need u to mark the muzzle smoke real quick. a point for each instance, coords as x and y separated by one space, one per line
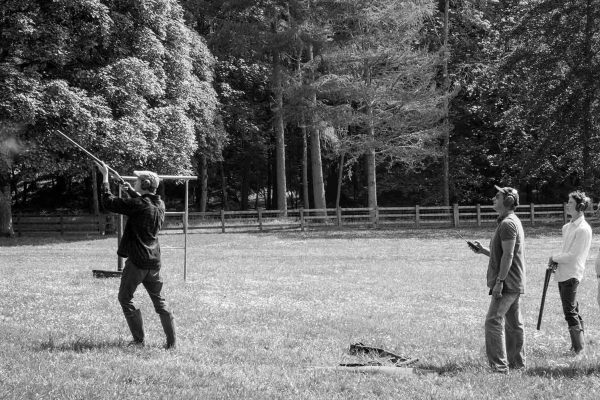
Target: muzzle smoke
10 146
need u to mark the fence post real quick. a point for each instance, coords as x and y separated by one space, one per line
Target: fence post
62 228
260 219
478 214
302 219
338 212
456 216
417 216
532 213
376 217
564 213
222 221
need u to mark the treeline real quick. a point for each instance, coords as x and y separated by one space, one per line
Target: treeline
306 103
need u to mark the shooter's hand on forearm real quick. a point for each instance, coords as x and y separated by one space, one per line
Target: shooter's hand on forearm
479 249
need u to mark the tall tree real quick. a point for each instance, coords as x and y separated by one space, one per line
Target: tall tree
388 82
259 33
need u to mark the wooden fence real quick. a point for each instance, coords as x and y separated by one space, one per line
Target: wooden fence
382 217
64 224
298 219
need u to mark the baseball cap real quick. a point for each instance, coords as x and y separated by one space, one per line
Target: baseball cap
150 176
509 191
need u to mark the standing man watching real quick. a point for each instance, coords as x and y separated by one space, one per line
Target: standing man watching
504 335
145 213
570 264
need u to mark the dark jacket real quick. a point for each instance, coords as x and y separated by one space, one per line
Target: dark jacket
145 217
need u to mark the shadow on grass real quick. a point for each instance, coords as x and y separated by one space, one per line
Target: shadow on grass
567 371
38 240
450 368
80 345
428 232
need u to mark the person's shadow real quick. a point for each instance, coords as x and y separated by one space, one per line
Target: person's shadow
80 345
563 371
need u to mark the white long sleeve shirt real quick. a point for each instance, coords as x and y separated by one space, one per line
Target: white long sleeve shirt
577 239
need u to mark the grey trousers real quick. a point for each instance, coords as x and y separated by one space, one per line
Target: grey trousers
504 335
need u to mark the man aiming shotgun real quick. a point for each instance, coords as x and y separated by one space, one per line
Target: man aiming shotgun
139 244
145 213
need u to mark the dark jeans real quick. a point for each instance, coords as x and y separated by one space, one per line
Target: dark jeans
131 279
568 297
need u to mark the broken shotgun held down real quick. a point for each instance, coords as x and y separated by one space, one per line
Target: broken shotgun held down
551 268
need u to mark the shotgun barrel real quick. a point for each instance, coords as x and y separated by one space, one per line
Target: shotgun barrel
93 157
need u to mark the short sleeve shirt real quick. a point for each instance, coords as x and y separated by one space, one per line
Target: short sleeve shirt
509 228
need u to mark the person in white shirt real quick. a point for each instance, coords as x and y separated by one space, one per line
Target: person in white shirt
570 264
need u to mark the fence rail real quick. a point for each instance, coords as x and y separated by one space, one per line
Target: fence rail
302 219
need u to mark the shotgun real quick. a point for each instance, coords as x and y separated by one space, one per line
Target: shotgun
551 268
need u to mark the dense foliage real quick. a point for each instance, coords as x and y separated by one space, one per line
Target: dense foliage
128 80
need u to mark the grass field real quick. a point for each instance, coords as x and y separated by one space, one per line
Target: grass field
261 313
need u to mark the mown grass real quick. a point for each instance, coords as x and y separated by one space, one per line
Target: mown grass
260 312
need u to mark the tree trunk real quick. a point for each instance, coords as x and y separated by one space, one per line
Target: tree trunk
279 139
245 189
315 149
269 190
203 167
6 226
317 170
446 124
258 184
355 182
305 200
23 194
371 178
371 168
95 202
339 182
225 199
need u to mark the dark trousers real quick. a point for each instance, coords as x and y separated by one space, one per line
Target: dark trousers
568 297
152 281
